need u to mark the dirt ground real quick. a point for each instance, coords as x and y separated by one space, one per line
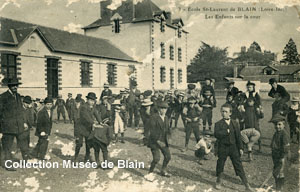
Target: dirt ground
187 174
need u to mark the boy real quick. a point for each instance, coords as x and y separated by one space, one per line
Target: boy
280 146
203 148
227 133
292 118
60 104
76 117
118 120
192 114
43 129
29 118
279 106
208 102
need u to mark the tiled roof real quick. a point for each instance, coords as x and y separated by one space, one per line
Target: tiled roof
258 70
144 10
287 69
59 40
252 70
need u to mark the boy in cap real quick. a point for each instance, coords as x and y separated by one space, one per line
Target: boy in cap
70 102
229 143
29 117
43 129
106 91
192 113
60 104
76 119
159 138
178 108
208 102
293 118
88 116
133 102
280 146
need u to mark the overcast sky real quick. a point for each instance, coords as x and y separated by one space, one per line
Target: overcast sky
272 31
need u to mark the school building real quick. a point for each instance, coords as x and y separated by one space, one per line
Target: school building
50 61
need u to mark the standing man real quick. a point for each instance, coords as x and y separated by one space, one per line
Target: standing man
229 143
133 105
12 120
60 104
87 116
159 138
106 92
278 89
70 102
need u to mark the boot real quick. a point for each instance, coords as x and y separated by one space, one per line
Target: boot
218 185
122 138
185 148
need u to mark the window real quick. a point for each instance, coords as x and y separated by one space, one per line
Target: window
179 32
117 25
171 78
179 76
85 73
171 52
9 65
111 74
179 54
162 26
162 50
162 74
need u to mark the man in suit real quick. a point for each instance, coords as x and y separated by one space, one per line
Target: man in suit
133 102
12 120
278 89
87 114
159 138
229 143
60 104
70 102
43 129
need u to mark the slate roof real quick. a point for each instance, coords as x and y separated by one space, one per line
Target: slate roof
286 69
59 41
252 70
145 10
258 70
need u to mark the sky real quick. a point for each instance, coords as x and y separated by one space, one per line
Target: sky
271 31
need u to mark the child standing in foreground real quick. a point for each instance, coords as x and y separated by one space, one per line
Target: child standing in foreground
280 146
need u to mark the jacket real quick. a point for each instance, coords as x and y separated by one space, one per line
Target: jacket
11 113
44 122
159 130
86 118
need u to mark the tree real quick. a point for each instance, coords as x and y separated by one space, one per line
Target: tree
209 62
255 46
290 53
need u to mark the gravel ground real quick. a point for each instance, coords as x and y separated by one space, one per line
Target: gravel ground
187 174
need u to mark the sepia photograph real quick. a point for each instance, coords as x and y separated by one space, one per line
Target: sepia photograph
149 95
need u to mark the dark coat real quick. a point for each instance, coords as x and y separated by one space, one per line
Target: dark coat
106 93
70 103
159 130
11 113
87 116
44 122
207 87
76 117
281 90
103 134
60 104
223 136
233 91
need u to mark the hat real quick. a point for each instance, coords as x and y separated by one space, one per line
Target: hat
181 94
48 100
162 104
295 99
27 99
126 90
116 102
272 80
207 78
11 81
191 100
79 95
37 99
91 95
191 86
122 91
69 94
250 83
77 99
106 85
277 117
147 93
147 102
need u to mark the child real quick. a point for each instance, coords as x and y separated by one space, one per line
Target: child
280 146
43 129
279 106
118 120
203 148
292 118
207 103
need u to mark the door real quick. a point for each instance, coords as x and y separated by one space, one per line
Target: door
52 77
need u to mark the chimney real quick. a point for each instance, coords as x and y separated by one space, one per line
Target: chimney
235 71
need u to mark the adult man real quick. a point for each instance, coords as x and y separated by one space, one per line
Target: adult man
70 102
159 138
106 91
227 133
60 104
278 89
87 115
133 105
12 120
